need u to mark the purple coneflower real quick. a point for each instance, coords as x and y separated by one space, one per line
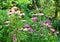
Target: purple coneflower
30 30
55 32
27 26
34 19
48 22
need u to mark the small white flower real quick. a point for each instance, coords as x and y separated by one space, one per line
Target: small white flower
41 14
23 13
23 20
46 38
10 13
49 26
57 32
20 14
7 25
17 12
21 29
44 23
41 34
34 14
49 33
14 38
25 29
14 8
7 22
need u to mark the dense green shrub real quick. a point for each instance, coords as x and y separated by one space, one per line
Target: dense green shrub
56 24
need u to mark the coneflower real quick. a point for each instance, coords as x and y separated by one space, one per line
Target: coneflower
21 14
10 12
52 29
49 33
55 32
16 9
30 30
7 22
49 26
25 29
41 34
20 28
17 12
14 38
34 19
27 26
7 25
34 14
41 14
48 22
